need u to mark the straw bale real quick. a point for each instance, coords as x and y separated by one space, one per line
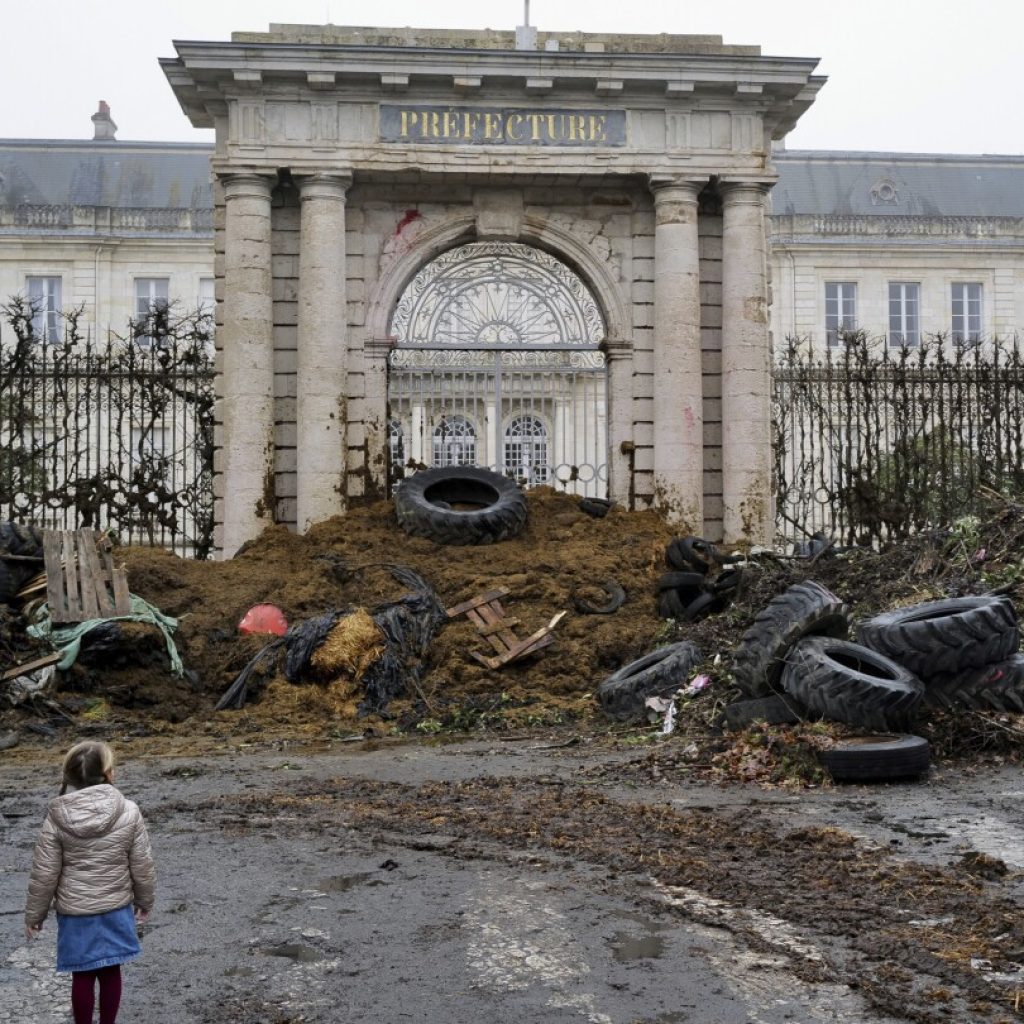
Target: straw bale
354 644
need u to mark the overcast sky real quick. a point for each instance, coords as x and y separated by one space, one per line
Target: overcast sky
907 75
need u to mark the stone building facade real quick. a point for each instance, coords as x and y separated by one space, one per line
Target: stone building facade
901 245
105 225
631 171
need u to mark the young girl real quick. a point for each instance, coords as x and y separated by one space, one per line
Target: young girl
93 862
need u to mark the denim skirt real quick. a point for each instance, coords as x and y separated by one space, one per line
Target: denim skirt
91 941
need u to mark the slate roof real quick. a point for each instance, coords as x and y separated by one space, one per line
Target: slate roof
821 182
131 175
176 175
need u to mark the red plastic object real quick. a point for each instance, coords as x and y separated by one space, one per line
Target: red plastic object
264 618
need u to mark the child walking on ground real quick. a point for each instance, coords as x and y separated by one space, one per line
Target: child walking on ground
94 863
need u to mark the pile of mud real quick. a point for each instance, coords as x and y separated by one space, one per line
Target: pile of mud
343 563
562 552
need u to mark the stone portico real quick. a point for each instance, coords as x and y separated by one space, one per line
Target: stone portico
348 160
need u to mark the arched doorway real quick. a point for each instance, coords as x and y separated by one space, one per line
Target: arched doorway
497 364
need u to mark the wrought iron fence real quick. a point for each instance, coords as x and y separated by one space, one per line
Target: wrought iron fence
870 443
875 442
111 434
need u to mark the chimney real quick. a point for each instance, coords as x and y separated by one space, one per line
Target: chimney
104 127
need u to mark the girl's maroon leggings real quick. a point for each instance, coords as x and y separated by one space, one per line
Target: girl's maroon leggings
83 992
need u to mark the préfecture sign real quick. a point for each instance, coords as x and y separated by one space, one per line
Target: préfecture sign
500 126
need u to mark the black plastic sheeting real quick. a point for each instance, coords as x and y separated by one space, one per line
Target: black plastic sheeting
409 624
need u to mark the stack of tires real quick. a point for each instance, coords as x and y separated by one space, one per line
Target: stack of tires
965 650
796 662
25 543
691 590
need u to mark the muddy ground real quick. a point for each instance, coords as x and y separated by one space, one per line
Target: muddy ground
488 843
530 881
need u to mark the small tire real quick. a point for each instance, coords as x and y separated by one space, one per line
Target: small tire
616 599
773 710
729 581
942 637
804 609
877 758
846 682
18 539
702 606
670 605
664 670
424 505
690 553
995 687
680 581
598 508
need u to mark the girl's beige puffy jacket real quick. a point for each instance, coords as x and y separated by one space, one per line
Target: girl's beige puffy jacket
92 856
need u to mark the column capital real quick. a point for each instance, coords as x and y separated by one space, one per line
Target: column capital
324 185
750 192
669 188
247 184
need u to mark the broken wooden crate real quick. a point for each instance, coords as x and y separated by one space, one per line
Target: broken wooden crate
82 581
487 614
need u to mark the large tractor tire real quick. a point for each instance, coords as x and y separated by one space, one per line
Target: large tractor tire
460 505
942 637
663 671
846 682
805 609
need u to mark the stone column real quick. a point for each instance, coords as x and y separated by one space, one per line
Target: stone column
322 370
746 367
375 362
619 356
678 390
247 378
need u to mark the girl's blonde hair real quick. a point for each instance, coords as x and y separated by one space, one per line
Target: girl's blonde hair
86 764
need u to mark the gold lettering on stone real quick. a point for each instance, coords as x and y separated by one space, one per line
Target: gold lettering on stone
492 126
476 126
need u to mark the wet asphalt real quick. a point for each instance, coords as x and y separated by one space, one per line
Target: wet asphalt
283 923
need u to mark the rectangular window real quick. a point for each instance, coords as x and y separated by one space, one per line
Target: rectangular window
904 313
840 309
151 299
45 299
208 308
150 443
966 313
207 302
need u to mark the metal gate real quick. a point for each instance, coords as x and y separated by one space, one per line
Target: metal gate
497 364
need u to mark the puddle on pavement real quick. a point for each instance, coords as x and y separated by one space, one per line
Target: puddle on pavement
989 835
342 883
292 951
640 943
626 947
911 833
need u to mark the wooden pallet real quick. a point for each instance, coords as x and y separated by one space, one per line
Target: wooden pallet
486 613
82 581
